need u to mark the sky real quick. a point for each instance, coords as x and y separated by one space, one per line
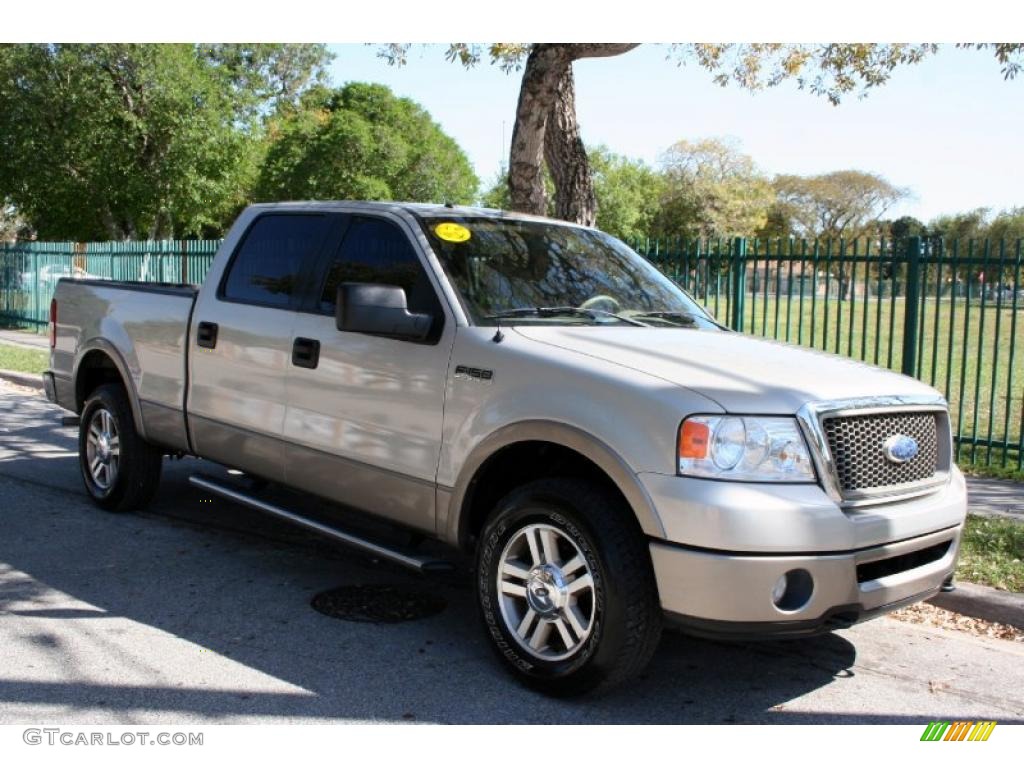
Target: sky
950 129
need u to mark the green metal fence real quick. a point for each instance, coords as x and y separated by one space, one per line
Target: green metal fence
29 271
944 312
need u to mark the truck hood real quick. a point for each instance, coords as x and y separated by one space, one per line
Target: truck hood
741 373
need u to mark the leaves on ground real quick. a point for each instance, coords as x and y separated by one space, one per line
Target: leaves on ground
929 615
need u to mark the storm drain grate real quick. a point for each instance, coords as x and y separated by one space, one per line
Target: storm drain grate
378 603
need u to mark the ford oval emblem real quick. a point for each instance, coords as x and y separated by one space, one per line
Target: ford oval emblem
899 449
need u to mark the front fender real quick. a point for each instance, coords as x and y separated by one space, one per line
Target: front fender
451 505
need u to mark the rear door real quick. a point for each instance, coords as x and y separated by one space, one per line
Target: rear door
367 411
241 342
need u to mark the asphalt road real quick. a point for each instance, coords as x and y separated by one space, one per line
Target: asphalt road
198 611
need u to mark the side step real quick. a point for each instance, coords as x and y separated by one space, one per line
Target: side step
413 560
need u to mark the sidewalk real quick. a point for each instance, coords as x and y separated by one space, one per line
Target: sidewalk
990 497
26 339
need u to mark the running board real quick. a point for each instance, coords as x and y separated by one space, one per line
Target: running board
416 562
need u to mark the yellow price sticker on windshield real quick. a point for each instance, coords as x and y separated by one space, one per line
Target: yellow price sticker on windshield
452 232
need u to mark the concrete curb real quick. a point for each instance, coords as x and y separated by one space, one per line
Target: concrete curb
981 602
34 380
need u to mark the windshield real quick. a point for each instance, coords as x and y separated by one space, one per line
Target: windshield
516 272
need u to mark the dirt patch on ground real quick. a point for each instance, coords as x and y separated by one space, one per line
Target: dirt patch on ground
932 616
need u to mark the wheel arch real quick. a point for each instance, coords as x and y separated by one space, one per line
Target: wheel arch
100 363
505 449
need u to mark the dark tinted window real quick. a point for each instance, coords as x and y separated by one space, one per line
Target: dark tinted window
267 267
377 251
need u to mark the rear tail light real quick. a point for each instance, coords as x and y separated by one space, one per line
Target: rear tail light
53 323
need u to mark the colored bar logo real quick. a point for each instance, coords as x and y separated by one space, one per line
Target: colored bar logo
961 730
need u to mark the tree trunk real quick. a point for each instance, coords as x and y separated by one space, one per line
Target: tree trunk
547 67
109 224
544 69
566 157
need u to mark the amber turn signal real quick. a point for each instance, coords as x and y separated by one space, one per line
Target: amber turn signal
693 440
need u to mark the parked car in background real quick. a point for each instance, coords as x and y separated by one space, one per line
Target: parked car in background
50 274
533 393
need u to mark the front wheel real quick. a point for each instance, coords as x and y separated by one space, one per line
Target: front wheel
120 470
566 587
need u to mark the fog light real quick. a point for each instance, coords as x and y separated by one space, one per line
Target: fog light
780 588
793 590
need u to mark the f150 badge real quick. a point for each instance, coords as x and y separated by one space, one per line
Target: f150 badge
482 375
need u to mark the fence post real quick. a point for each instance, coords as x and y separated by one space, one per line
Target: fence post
739 281
184 261
910 306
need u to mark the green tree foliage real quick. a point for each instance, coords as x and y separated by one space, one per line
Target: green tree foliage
778 223
628 193
838 204
267 76
362 142
496 195
125 141
711 188
1008 226
906 226
1003 231
960 226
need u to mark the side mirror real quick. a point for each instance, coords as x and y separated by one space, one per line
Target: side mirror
378 310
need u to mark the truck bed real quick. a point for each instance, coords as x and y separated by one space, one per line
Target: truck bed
143 328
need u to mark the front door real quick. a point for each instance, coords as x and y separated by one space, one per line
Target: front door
367 410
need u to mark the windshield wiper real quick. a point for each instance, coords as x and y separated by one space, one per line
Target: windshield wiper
556 311
687 318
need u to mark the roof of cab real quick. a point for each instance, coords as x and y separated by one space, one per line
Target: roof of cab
418 209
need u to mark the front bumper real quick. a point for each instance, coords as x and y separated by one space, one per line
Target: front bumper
730 595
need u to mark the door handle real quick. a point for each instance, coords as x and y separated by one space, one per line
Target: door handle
206 335
305 353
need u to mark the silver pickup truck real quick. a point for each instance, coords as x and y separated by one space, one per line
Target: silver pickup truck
533 393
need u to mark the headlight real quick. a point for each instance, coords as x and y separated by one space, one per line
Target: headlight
753 448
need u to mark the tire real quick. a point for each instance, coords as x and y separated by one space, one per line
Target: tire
609 630
108 438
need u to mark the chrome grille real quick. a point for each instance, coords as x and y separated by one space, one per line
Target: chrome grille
858 454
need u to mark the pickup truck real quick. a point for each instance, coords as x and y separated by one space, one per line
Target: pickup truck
536 395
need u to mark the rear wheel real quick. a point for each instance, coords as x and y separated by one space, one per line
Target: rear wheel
120 470
566 588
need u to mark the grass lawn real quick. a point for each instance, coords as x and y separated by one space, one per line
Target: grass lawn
992 553
25 360
980 469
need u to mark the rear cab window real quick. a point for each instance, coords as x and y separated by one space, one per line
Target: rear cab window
268 267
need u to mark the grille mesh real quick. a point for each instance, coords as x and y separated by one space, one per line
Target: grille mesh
857 445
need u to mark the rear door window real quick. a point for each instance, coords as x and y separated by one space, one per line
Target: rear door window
268 267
